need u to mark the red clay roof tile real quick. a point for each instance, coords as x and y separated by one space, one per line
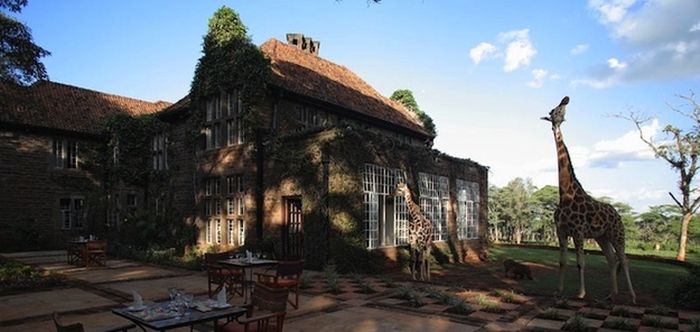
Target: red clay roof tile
59 106
309 75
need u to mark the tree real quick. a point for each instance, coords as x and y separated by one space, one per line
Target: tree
19 56
517 207
655 225
546 201
680 150
405 98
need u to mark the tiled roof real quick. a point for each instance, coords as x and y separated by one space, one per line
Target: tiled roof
309 75
59 106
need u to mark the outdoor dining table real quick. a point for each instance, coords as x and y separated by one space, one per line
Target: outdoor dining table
247 265
159 316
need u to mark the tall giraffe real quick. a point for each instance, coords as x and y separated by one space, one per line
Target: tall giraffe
420 235
582 217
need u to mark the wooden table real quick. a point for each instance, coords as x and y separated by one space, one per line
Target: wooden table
247 265
167 321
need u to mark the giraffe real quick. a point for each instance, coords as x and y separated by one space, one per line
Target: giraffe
582 217
420 235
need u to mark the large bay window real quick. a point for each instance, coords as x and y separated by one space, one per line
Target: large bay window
435 202
386 215
467 210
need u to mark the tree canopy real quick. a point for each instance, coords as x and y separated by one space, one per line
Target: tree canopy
230 61
405 98
19 56
680 150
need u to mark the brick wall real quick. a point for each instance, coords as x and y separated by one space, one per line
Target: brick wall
31 189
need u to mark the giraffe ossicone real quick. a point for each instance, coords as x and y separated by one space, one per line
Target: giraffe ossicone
581 217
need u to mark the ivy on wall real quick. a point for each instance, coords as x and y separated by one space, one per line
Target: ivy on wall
297 158
230 61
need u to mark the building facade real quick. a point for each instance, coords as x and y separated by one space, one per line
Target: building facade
317 181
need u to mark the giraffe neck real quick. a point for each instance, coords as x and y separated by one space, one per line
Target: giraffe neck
569 186
413 209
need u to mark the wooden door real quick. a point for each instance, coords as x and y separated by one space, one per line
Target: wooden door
293 230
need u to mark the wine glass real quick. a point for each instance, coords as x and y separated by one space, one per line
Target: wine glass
187 298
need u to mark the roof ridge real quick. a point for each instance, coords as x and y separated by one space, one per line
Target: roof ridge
101 93
275 43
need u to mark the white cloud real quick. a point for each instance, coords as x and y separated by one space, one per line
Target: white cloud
519 51
695 27
611 11
481 52
538 77
613 152
662 36
616 64
579 49
628 147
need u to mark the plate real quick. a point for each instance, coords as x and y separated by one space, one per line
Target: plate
220 306
136 308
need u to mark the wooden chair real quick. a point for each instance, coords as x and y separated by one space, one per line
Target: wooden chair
220 275
286 275
75 253
78 327
96 252
265 313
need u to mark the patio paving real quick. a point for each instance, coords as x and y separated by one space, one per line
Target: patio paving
357 303
363 319
24 305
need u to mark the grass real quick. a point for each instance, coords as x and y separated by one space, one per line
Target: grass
552 314
620 324
652 280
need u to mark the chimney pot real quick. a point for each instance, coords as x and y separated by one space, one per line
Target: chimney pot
306 44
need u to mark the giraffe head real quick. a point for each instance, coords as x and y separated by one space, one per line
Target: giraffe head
556 116
401 189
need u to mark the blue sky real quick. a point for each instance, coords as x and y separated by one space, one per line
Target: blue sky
484 70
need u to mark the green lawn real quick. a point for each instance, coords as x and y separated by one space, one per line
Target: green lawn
653 281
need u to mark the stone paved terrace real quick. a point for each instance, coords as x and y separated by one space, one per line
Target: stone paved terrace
351 303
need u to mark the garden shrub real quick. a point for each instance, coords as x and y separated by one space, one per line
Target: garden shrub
16 276
686 293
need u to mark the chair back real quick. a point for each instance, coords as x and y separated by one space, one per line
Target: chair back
60 327
96 245
272 299
290 269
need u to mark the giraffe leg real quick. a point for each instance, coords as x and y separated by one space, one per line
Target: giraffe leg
620 250
414 262
563 244
607 249
581 263
427 263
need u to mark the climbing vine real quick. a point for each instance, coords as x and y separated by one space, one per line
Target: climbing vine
230 62
128 156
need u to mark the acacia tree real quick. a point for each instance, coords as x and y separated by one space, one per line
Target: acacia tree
19 56
405 98
680 150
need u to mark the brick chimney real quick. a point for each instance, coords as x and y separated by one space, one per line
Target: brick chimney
306 44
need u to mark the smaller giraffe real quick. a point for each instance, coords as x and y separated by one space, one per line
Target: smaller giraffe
420 235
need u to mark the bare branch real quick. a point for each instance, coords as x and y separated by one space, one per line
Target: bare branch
674 199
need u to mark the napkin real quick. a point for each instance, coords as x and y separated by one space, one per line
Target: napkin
221 297
138 300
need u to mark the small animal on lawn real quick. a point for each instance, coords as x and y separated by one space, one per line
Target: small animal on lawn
519 270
